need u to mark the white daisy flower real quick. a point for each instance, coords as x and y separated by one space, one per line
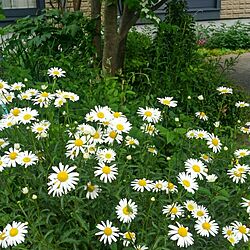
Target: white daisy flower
236 175
241 231
63 180
27 159
11 157
160 185
106 173
108 232
149 128
58 102
245 130
15 233
199 212
214 143
227 231
141 247
141 184
4 87
101 114
27 115
180 234
224 90
92 190
152 149
191 134
4 142
106 155
128 237
171 188
188 182
206 227
201 134
168 101
131 142
150 114
17 86
233 239
190 205
196 168
120 125
78 144
110 136
246 204
126 210
3 163
97 136
201 116
43 99
207 158
241 153
211 178
56 72
241 104
3 241
174 210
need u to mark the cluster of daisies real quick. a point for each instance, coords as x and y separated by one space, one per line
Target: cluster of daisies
15 156
13 234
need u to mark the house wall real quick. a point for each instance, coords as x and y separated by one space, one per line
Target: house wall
235 9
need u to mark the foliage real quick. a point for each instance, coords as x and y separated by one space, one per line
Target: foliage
229 37
53 37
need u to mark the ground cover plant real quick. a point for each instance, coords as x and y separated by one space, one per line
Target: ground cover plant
156 157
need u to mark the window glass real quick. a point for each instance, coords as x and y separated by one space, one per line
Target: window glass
18 4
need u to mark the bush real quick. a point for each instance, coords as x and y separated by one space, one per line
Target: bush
229 37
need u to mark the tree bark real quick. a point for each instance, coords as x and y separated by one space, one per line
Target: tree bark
110 38
77 4
96 16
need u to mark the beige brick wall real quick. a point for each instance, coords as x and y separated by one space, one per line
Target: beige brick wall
235 9
85 5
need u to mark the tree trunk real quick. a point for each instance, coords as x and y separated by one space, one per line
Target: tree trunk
77 4
110 47
121 49
96 16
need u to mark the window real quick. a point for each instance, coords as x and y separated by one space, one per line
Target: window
14 9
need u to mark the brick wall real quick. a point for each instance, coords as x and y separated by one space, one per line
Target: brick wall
235 9
85 5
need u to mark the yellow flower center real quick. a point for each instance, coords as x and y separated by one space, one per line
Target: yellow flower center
158 185
1 142
44 94
108 155
166 102
242 229
127 210
106 169
215 142
112 134
107 231
129 235
243 153
231 240
150 128
40 129
131 142
142 183
186 183
25 97
13 232
62 176
27 117
120 127
100 115
174 210
190 207
148 113
116 114
96 135
237 173
78 142
206 226
229 232
205 157
1 85
15 112
90 188
196 168
13 155
200 213
2 236
26 159
182 231
170 185
202 114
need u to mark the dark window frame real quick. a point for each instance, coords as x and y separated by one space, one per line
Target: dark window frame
12 14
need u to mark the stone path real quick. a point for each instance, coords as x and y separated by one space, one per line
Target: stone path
241 71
